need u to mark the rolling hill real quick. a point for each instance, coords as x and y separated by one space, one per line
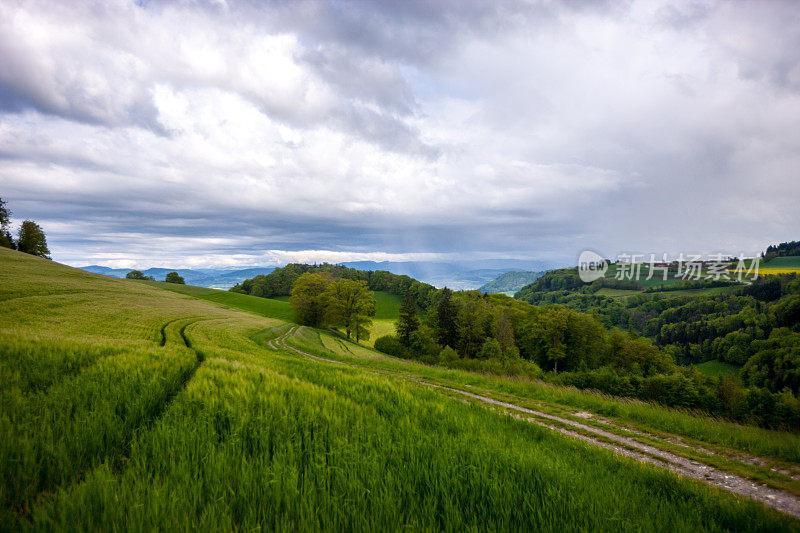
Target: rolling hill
134 405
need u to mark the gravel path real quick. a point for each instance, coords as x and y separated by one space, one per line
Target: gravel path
777 499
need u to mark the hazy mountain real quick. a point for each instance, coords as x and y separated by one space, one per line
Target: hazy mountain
217 278
456 274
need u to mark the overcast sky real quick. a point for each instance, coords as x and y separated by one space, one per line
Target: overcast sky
210 133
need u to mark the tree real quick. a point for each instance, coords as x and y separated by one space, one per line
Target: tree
138 274
407 322
32 240
6 240
447 355
446 313
491 349
350 305
173 277
309 298
5 214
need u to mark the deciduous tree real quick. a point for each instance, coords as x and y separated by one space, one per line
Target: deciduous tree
350 304
32 240
138 274
173 277
309 299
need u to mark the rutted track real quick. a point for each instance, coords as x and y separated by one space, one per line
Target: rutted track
159 411
781 500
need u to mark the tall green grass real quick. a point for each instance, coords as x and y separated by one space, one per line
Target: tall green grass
262 440
128 407
767 443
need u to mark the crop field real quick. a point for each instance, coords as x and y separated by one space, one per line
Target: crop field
127 406
777 265
624 293
790 262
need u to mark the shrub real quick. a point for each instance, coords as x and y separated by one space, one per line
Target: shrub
448 354
390 344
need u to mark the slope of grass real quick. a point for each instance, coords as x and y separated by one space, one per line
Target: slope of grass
269 307
792 262
130 407
387 306
379 329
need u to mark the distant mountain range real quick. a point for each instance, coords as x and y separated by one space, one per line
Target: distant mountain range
457 275
511 281
215 278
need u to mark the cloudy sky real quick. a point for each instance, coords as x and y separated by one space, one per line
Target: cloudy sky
211 133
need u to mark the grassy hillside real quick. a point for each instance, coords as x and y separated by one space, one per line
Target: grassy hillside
127 406
387 306
781 265
270 307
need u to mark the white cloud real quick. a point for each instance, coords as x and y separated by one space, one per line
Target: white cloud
220 131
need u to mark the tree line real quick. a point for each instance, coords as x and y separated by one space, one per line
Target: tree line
575 338
279 282
783 249
171 277
30 238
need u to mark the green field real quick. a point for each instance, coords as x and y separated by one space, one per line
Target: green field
718 368
387 306
781 265
617 293
624 293
271 307
783 262
127 406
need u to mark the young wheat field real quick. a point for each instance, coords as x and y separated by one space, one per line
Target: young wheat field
127 406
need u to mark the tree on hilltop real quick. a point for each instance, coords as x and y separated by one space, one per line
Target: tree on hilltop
32 240
138 274
173 277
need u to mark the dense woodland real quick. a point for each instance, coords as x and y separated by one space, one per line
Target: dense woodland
560 330
783 249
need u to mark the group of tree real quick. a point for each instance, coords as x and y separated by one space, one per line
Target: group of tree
172 277
783 249
138 274
31 238
479 327
280 281
640 346
320 300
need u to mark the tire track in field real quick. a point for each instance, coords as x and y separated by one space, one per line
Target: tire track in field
783 501
118 456
163 341
155 414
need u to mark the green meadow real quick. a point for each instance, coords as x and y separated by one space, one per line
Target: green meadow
128 405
